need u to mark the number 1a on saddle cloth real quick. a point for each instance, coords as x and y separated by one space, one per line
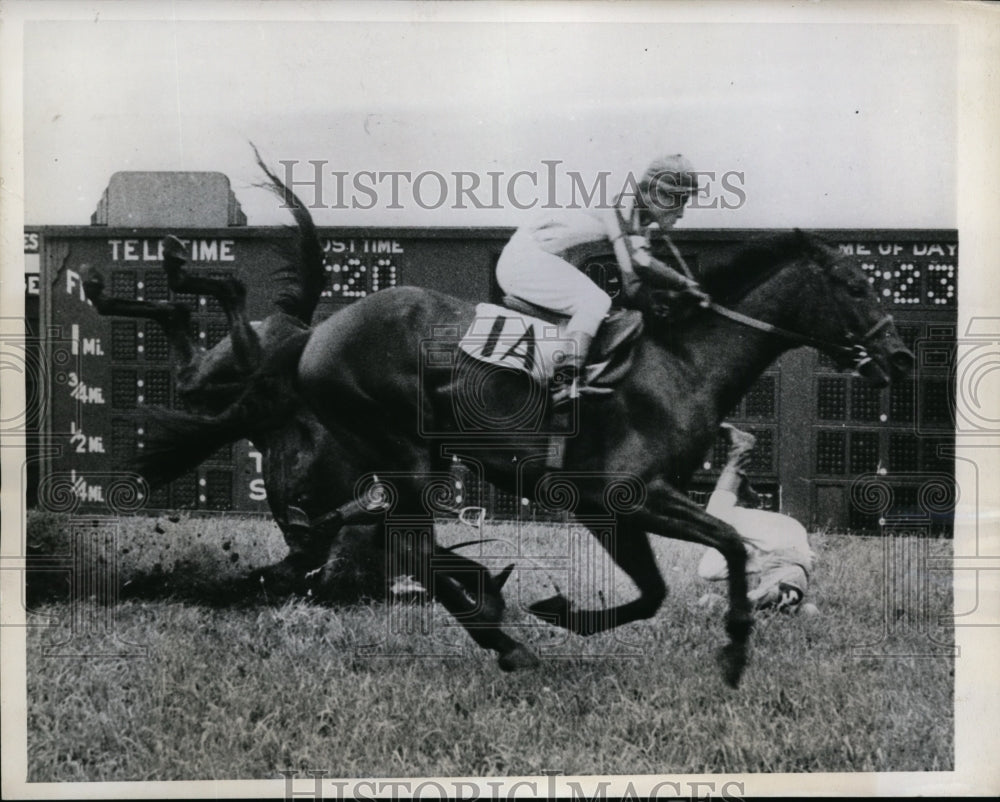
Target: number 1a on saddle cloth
519 341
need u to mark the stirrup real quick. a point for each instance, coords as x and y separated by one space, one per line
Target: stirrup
565 392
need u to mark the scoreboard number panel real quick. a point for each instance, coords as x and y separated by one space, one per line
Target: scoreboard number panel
356 268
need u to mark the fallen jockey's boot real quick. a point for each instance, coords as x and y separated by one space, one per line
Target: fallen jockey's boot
746 496
740 445
733 477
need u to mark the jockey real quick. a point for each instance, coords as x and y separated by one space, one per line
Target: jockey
777 545
540 263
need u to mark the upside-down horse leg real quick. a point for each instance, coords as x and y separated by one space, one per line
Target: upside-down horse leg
669 513
173 318
464 587
229 292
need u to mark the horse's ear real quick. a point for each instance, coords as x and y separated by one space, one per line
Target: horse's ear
810 243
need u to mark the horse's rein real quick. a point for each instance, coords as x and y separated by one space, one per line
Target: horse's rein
856 349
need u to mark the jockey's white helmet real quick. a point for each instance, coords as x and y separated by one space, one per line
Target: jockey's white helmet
672 173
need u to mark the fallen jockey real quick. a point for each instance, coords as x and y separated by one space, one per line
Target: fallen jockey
777 545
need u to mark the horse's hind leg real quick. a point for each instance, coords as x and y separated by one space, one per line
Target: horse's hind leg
462 586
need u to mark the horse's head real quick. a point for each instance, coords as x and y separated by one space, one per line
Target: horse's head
846 317
803 290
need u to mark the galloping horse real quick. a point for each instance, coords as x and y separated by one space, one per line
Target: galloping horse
368 376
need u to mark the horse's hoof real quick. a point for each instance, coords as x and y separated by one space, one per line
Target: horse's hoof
174 249
732 660
93 282
517 659
554 609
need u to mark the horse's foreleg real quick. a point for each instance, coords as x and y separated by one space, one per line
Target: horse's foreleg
672 513
229 292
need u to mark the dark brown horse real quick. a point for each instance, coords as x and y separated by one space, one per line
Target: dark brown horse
393 388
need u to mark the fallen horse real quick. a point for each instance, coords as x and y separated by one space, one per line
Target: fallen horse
255 366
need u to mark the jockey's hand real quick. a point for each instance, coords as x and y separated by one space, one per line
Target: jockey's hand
692 291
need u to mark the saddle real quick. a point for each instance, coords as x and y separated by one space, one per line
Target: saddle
612 352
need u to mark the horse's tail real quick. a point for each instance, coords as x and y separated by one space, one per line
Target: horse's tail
301 279
180 441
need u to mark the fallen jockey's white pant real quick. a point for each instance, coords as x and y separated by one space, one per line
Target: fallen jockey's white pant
777 547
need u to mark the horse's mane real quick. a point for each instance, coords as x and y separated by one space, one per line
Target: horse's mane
731 277
299 281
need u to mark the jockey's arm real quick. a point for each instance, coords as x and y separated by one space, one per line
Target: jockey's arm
658 274
639 266
712 566
654 273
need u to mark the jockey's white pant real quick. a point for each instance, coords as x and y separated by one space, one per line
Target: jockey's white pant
777 546
527 271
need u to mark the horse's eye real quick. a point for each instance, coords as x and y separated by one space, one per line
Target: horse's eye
857 289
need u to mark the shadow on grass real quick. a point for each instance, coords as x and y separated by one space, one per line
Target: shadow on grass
189 581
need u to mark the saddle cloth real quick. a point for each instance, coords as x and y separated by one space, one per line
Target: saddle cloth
523 339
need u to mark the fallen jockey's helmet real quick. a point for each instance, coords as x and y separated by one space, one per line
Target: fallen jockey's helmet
783 583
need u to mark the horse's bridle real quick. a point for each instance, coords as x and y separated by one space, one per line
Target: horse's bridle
855 352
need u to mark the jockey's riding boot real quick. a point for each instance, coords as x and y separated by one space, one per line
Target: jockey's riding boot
571 373
566 382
